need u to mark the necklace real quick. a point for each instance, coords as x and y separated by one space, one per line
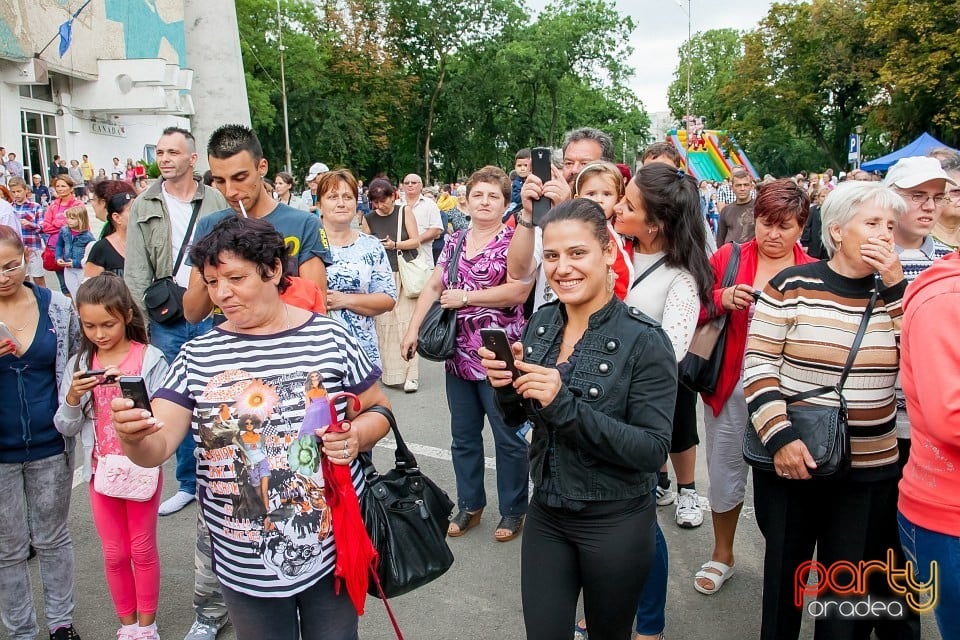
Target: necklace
481 241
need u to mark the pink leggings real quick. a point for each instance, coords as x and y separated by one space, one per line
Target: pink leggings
131 560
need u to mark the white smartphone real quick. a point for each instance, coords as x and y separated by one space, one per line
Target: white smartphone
6 334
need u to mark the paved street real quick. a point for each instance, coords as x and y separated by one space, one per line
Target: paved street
479 598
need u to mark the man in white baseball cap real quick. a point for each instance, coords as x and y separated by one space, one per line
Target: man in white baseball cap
922 184
309 196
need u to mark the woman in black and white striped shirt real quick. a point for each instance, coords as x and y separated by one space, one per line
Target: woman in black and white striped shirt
261 431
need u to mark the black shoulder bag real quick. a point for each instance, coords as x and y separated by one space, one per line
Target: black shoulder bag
406 515
163 299
437 339
700 368
822 429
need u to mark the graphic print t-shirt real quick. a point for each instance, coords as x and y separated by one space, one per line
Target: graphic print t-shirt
256 401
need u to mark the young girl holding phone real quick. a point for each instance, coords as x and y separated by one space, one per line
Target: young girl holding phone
115 340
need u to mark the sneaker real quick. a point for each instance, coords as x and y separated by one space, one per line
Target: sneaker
689 513
204 629
411 386
176 502
65 633
128 632
148 633
665 496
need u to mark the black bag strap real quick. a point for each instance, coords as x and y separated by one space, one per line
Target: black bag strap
733 265
405 459
656 265
861 330
453 277
186 239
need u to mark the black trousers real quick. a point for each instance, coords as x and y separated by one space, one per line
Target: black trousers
842 520
605 550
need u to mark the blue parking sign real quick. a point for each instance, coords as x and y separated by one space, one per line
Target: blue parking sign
853 148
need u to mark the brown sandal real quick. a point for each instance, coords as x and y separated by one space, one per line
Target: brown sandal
512 524
463 522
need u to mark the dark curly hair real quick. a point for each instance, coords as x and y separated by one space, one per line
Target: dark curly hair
249 239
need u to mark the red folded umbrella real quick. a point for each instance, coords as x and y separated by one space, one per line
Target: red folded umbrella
355 552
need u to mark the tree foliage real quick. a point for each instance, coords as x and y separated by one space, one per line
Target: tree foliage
399 86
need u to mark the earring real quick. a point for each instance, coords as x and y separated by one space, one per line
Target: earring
649 231
611 279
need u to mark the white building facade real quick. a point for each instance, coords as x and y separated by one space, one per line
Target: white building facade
124 78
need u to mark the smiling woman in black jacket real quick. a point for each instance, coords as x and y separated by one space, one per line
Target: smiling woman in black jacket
597 380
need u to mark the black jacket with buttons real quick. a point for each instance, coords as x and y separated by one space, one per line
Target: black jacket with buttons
608 430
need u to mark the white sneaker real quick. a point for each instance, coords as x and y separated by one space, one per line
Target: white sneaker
176 502
689 513
411 386
127 632
665 496
204 629
148 633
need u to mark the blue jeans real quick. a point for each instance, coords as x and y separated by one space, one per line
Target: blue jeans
651 608
35 501
169 338
922 546
469 401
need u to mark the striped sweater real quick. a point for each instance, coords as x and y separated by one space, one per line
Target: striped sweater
800 338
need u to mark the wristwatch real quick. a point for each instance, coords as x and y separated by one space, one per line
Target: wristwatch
524 223
464 298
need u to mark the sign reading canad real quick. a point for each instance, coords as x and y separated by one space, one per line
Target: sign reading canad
107 129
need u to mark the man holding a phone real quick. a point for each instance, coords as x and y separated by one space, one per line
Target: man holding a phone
580 148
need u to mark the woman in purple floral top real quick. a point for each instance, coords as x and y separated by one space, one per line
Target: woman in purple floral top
486 297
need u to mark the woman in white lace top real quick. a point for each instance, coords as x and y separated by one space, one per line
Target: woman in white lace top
672 278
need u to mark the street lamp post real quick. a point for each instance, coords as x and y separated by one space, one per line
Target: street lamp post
283 91
859 130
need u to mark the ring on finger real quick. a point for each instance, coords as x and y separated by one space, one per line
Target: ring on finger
346 454
345 445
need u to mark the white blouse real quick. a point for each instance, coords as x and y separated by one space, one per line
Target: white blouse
669 296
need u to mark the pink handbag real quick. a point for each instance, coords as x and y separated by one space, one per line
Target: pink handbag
118 477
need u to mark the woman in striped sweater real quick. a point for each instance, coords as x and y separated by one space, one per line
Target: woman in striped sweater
799 339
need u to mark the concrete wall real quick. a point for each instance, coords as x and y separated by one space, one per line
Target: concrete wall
219 87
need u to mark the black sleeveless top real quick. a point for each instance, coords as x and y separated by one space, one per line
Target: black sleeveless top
386 227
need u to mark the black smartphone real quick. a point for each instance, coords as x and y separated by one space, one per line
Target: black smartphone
92 373
495 339
540 165
133 388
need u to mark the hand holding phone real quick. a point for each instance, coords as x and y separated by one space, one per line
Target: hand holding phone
540 165
495 339
133 388
7 335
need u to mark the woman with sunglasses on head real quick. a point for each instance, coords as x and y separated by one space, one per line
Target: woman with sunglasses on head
109 253
36 462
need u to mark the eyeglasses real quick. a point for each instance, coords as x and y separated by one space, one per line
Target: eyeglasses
953 195
12 271
921 198
411 182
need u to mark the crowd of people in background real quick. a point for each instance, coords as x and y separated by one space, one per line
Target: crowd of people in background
285 304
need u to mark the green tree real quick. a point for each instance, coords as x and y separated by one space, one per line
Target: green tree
920 68
710 58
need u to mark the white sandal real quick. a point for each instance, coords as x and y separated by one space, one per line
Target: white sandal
726 572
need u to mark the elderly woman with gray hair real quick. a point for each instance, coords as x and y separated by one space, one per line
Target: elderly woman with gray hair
799 340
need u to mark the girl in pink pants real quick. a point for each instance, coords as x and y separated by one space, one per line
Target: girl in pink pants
114 343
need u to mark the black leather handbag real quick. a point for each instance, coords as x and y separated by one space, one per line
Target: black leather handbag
437 339
163 298
822 429
700 368
406 515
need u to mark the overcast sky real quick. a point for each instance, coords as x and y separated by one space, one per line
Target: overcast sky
661 27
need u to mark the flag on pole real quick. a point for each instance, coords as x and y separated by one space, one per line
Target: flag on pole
66 29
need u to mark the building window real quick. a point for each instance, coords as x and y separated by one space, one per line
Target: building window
39 131
37 92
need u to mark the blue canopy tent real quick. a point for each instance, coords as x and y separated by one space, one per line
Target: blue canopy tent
919 147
